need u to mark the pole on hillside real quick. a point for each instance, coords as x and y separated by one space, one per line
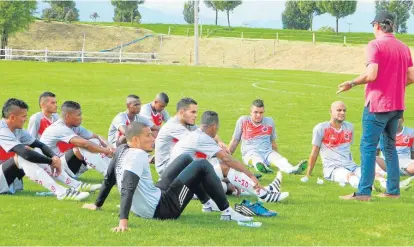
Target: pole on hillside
83 47
196 32
313 38
169 30
46 54
120 53
344 40
277 37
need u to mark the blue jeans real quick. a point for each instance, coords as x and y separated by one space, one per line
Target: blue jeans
373 125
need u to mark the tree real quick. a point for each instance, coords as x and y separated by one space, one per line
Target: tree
338 8
48 14
293 18
188 12
94 16
310 8
230 6
59 10
14 16
400 9
215 5
71 15
126 11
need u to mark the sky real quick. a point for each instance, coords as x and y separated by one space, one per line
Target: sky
252 13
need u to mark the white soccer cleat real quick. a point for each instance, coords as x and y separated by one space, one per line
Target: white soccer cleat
73 195
274 197
230 214
210 207
85 187
406 184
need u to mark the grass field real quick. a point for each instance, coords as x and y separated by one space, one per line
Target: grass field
211 31
312 215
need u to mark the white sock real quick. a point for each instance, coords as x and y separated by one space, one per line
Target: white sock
208 203
97 161
63 177
39 175
224 186
354 181
227 211
242 181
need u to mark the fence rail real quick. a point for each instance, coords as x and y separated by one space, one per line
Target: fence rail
76 56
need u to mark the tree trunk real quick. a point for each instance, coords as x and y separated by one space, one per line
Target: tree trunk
216 16
311 21
4 40
132 16
337 20
228 18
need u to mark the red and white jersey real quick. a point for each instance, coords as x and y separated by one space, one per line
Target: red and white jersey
57 136
156 117
335 145
255 138
404 143
121 119
9 139
39 122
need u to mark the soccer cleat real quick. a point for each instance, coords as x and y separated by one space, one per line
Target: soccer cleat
274 197
258 176
262 168
406 184
256 209
230 214
73 195
300 167
276 184
85 187
210 207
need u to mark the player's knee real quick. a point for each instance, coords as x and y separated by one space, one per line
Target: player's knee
77 153
185 158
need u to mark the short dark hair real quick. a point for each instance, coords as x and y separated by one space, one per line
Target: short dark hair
69 106
46 94
184 103
258 103
10 105
163 97
134 129
209 118
387 26
133 96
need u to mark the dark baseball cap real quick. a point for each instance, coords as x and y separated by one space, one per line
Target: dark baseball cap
382 17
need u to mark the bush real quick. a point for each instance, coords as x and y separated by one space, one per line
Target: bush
326 29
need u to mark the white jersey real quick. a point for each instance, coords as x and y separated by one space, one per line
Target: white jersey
9 139
197 144
57 136
169 134
335 145
255 138
404 143
155 117
121 119
146 196
39 122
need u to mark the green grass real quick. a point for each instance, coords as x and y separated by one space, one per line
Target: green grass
257 33
312 215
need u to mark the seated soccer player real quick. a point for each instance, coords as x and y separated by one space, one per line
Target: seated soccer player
405 150
41 120
177 127
75 144
200 144
258 136
130 170
116 132
333 140
18 159
155 111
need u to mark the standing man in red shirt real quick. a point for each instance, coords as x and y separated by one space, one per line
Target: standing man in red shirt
389 70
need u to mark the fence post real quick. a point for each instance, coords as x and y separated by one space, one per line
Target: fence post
274 47
277 37
120 54
344 40
313 38
11 53
169 30
46 54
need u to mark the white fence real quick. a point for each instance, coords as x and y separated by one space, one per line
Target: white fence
78 56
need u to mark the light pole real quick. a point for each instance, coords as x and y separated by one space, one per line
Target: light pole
196 32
